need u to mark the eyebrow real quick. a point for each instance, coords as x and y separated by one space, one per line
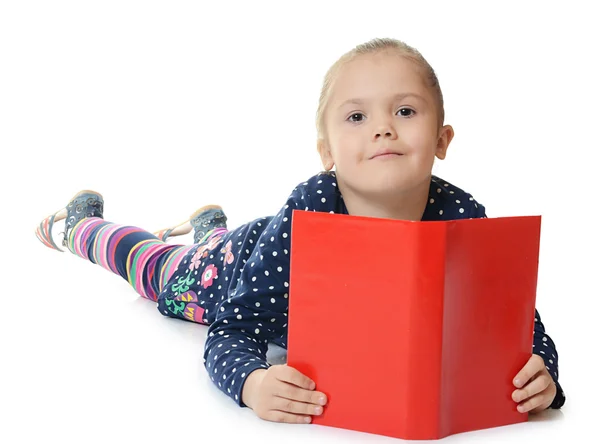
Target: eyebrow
395 98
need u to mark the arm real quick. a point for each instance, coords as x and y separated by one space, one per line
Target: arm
544 347
256 313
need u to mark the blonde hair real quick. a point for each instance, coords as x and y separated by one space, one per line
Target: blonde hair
371 47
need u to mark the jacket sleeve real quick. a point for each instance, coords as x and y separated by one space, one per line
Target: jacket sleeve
256 310
543 346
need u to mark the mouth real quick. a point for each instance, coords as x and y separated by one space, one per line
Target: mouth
386 154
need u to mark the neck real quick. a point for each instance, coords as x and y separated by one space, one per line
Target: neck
404 205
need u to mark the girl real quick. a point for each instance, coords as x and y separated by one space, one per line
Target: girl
380 123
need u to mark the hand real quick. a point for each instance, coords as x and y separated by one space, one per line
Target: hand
535 387
282 394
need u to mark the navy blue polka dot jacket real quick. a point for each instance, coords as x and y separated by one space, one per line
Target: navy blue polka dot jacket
254 282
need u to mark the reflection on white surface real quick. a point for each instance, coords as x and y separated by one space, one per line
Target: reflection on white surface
92 362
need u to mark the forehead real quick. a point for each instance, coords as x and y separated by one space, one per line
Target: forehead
378 75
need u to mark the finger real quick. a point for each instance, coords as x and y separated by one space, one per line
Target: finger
290 406
539 401
290 418
289 391
537 385
534 365
293 376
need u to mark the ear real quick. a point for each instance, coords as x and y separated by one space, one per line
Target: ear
325 153
444 138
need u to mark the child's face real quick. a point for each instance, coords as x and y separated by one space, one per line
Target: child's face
379 104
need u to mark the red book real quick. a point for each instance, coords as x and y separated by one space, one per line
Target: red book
414 330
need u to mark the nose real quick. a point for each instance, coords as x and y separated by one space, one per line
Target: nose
385 130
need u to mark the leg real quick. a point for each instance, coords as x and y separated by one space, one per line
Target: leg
134 254
183 297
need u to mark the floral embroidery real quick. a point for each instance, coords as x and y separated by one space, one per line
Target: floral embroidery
194 313
183 283
210 274
200 253
188 296
228 258
213 242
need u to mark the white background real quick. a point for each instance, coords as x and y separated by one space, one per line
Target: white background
167 106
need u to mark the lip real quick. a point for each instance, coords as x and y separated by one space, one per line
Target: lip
386 153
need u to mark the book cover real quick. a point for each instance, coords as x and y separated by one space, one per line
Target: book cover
414 330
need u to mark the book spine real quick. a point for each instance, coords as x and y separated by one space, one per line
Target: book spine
424 358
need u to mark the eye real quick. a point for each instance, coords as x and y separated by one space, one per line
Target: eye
405 112
356 117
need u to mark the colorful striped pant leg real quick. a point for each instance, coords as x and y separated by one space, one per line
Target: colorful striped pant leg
136 255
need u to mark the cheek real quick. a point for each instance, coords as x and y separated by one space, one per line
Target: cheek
345 149
420 143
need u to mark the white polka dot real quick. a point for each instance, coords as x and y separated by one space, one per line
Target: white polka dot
272 300
285 235
320 181
441 212
257 304
272 319
461 210
272 238
253 278
279 269
266 272
431 200
271 288
239 316
319 192
544 339
323 200
457 201
274 253
255 290
439 190
222 308
286 284
257 331
285 219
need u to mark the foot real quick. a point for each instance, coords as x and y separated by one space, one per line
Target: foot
85 203
201 221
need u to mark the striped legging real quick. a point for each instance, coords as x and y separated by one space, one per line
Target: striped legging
136 255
